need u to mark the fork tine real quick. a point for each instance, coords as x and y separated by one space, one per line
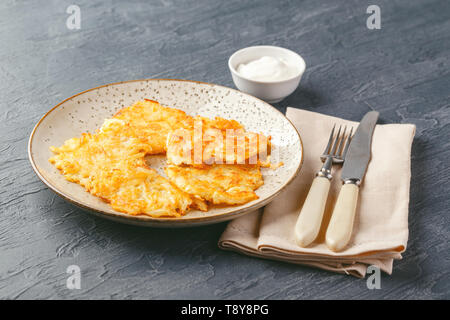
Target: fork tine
329 141
349 139
333 150
341 143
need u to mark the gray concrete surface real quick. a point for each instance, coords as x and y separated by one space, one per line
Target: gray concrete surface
401 70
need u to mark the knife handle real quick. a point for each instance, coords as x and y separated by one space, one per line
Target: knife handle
341 224
310 218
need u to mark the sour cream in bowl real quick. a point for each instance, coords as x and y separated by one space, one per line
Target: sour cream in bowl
267 72
267 68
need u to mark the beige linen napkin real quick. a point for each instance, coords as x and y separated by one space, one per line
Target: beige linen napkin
380 231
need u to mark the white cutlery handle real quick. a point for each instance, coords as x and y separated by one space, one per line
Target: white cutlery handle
341 224
310 218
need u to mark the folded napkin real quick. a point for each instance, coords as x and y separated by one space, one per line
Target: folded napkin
380 231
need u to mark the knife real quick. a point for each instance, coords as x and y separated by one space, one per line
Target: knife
340 227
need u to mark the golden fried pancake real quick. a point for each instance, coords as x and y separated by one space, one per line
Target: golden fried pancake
152 122
218 184
218 141
111 165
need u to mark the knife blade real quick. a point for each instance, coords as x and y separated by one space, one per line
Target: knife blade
358 154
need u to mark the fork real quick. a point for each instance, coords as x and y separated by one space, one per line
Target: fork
310 218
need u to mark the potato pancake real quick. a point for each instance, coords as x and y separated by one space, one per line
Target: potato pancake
152 122
218 184
111 165
216 141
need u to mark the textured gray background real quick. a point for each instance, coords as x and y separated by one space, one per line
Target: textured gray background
401 70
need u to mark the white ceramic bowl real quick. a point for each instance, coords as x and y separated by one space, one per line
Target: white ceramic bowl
270 91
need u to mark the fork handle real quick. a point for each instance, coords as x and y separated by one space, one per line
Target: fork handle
310 218
341 224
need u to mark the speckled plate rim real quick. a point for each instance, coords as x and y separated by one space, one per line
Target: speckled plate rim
143 220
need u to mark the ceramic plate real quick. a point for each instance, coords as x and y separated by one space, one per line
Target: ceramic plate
85 112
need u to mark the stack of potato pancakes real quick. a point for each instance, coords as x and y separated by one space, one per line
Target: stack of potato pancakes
209 161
